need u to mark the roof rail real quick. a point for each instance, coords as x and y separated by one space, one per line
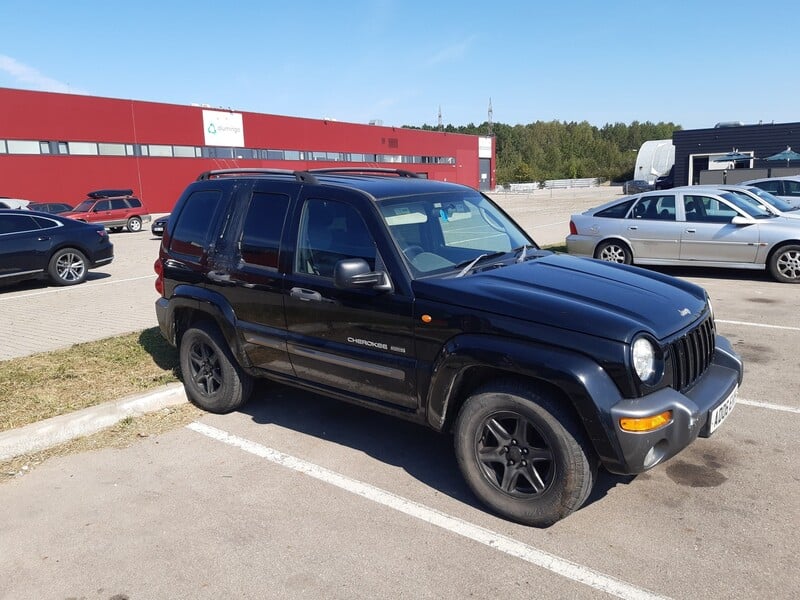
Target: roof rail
367 171
304 176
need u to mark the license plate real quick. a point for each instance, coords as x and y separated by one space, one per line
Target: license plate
719 414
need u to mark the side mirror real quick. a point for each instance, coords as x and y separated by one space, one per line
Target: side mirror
354 273
740 220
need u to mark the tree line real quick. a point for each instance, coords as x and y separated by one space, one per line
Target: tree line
560 150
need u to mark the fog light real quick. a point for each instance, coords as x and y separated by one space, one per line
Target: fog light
646 423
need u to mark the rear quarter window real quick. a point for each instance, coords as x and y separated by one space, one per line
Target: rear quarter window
194 224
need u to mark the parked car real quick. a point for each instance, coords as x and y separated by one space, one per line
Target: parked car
159 225
635 186
667 181
13 203
115 209
689 226
34 245
785 188
422 299
772 203
53 208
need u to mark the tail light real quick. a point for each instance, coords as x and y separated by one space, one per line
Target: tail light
158 267
102 233
572 229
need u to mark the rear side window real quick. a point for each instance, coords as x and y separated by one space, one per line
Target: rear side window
792 188
17 223
192 233
618 211
134 203
118 204
263 225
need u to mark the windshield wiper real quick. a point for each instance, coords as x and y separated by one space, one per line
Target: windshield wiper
523 250
475 261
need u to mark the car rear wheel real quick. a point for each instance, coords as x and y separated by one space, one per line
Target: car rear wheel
134 224
784 264
67 267
211 376
523 454
614 251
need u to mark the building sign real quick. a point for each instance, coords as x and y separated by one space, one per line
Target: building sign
484 147
223 128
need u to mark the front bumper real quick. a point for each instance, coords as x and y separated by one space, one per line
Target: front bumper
690 413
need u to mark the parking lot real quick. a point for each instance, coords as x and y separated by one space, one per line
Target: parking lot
298 496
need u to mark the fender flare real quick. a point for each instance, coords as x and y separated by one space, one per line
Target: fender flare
585 384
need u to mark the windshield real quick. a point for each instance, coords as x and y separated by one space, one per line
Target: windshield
748 205
438 232
84 206
781 205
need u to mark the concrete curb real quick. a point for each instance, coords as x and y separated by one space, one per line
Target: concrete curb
60 429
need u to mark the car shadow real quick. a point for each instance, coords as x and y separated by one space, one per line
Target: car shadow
423 453
164 354
43 283
714 273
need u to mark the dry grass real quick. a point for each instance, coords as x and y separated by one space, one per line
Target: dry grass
54 383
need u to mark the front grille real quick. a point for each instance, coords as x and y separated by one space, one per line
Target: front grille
691 354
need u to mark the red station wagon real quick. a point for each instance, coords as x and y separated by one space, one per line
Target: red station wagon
113 208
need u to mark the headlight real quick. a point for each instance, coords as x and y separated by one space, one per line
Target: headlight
644 359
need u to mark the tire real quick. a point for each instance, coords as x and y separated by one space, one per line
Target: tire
614 251
134 224
67 266
115 229
523 454
211 376
784 264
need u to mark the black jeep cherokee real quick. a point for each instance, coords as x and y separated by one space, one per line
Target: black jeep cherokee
424 300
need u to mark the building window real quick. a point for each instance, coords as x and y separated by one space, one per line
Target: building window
184 151
160 150
63 148
111 149
274 154
2 146
44 147
82 148
129 150
22 147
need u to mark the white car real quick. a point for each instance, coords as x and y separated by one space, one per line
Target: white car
13 203
786 188
772 203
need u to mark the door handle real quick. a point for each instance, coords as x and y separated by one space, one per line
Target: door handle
305 295
691 231
43 238
633 227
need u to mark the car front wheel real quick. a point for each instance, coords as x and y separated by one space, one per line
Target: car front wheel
134 224
784 264
67 267
523 454
614 251
211 376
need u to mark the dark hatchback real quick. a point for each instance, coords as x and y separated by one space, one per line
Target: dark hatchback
54 208
40 245
158 226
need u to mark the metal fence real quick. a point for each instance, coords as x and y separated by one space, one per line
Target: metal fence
552 184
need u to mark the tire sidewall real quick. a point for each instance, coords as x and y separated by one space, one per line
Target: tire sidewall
235 387
559 499
134 224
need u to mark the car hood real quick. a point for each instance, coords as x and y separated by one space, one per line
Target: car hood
595 297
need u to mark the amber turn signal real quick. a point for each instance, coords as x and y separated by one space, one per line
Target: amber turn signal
426 318
646 423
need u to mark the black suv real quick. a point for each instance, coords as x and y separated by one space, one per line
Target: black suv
424 300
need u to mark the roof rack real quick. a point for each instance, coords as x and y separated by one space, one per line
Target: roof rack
113 193
218 173
366 170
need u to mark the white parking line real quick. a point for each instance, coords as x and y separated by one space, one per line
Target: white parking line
748 324
510 546
769 406
76 287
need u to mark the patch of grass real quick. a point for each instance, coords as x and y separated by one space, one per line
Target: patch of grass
54 383
555 247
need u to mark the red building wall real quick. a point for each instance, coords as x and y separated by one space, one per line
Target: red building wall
44 116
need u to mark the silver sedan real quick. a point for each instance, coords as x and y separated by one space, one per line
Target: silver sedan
689 226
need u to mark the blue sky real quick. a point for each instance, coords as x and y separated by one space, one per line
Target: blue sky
693 63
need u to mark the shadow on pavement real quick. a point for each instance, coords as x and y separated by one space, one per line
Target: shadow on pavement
423 453
164 355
